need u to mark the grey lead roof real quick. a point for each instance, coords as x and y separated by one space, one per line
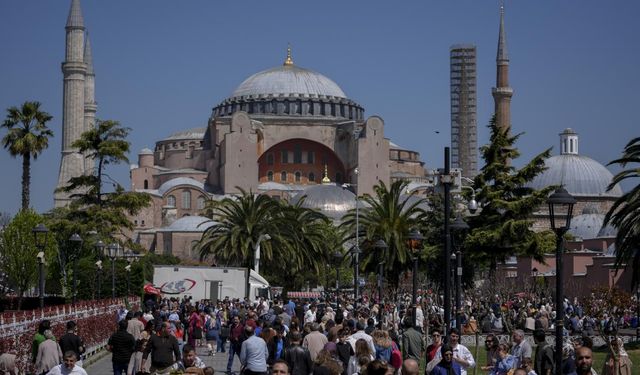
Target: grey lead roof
75 15
88 57
580 175
288 80
503 54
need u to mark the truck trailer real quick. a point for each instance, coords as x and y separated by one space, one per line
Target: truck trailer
212 283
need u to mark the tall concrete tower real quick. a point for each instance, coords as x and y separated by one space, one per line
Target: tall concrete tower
502 93
464 133
74 70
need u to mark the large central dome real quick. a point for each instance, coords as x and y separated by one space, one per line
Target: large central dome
290 91
288 80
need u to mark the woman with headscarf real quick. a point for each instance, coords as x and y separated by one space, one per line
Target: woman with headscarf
49 354
447 365
617 361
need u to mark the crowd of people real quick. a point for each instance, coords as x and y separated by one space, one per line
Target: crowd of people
315 337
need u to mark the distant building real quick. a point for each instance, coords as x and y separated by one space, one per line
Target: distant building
464 123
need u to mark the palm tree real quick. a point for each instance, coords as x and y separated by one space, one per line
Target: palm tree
389 215
106 143
27 136
240 222
624 215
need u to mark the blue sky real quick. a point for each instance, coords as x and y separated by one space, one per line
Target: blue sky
161 65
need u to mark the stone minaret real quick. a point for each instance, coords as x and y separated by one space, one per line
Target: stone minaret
90 105
502 93
74 71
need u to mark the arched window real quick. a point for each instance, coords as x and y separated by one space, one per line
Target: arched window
298 176
270 176
146 184
186 200
171 201
270 158
283 176
312 177
201 202
297 154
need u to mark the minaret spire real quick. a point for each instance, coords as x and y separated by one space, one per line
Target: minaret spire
503 55
74 71
90 106
75 15
502 93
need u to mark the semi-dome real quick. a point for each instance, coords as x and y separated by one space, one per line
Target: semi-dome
177 182
586 226
330 199
579 174
288 80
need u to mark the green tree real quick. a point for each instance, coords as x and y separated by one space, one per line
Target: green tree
503 226
18 252
388 215
27 137
624 215
93 209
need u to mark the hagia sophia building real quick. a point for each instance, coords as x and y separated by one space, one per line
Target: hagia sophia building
288 131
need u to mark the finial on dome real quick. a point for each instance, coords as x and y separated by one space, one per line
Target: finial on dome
325 179
289 60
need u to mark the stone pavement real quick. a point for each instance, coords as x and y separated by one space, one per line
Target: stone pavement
219 362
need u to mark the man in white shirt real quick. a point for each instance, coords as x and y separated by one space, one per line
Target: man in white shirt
521 348
361 334
68 366
310 315
461 354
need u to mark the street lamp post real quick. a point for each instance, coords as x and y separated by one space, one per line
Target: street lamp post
40 234
356 253
256 251
338 258
76 244
381 246
99 250
447 180
113 254
560 211
459 226
415 243
129 257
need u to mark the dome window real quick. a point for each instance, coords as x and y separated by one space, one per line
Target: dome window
270 176
298 176
310 157
186 200
312 177
171 201
285 156
270 158
283 176
201 202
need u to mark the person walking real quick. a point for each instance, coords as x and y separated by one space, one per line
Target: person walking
253 354
584 362
461 355
122 345
412 343
164 351
315 341
190 362
71 341
69 366
447 365
544 363
521 348
49 354
235 340
298 357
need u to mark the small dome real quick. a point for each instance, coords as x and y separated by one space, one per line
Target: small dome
288 80
332 200
179 181
145 151
586 226
190 224
580 175
608 231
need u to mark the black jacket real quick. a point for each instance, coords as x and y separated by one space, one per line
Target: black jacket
162 349
299 360
272 347
122 345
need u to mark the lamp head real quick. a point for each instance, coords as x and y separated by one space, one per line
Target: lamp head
40 233
75 239
473 205
380 245
560 209
459 224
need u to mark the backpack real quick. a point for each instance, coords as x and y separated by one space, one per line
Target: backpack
396 357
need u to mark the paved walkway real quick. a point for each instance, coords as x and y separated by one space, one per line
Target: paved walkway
218 362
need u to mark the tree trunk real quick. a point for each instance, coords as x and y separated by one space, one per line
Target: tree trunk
26 180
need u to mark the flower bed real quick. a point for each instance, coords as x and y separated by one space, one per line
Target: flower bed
96 322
